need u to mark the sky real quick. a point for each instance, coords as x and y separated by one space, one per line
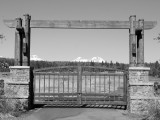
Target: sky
68 44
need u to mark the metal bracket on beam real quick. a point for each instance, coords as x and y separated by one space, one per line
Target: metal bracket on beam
19 24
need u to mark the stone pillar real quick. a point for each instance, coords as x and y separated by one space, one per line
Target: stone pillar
140 90
132 42
19 85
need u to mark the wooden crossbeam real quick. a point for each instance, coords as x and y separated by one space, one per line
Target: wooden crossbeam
84 24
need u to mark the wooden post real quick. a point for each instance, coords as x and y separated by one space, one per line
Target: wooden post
26 41
132 41
18 43
140 43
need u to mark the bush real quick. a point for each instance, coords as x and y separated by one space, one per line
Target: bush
153 110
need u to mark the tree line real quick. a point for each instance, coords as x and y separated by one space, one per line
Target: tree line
6 62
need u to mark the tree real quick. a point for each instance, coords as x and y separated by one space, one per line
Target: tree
111 64
157 38
92 63
2 36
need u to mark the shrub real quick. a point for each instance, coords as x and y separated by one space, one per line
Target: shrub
153 110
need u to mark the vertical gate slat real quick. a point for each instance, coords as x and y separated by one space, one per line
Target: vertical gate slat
72 86
48 87
85 84
44 84
118 85
73 83
68 83
104 87
119 81
79 84
95 84
63 83
114 87
109 87
39 84
54 84
58 83
99 84
90 83
49 83
34 86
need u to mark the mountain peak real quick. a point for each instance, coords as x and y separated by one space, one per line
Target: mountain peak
80 59
94 59
97 59
35 58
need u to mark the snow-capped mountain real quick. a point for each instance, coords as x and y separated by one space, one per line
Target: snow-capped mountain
80 59
94 59
35 58
97 59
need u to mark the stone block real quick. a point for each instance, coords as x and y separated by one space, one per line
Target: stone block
141 91
17 91
15 104
144 106
139 106
20 74
138 74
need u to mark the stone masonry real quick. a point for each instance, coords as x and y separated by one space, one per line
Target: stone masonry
19 85
140 90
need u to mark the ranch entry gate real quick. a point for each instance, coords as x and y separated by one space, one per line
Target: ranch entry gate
78 86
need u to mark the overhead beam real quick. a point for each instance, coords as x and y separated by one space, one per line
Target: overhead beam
84 24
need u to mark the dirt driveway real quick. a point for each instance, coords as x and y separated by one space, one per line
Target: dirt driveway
76 114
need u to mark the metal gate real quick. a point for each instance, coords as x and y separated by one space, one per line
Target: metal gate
80 85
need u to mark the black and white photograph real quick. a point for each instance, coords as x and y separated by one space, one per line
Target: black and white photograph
79 60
